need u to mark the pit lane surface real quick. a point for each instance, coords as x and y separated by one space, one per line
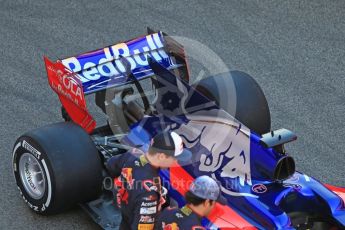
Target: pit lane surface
295 50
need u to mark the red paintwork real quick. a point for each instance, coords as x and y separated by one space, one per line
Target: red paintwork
338 190
222 216
70 93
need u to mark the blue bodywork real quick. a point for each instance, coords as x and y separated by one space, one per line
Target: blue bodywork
267 210
103 68
263 202
242 165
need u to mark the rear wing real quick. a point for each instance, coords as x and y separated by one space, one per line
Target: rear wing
103 68
74 77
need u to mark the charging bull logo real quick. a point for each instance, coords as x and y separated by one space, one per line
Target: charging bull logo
220 144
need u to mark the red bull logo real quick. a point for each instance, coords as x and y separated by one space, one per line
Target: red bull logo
105 62
127 176
172 226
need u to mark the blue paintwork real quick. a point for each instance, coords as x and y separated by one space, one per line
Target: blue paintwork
265 210
135 51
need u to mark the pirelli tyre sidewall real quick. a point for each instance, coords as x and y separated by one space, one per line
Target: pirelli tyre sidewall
37 205
71 166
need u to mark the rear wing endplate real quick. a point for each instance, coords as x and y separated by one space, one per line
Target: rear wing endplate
70 92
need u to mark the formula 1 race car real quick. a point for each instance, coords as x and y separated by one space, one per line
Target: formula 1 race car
223 119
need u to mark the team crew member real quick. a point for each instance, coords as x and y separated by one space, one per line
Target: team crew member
139 195
201 198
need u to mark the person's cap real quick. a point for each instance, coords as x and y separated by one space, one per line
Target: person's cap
206 187
171 144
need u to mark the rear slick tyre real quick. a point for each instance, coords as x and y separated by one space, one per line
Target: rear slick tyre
240 95
57 167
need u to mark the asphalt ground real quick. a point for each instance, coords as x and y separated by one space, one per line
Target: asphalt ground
294 49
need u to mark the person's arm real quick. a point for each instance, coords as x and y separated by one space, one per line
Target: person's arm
145 211
115 164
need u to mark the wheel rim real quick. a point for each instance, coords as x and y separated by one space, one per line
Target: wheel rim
32 176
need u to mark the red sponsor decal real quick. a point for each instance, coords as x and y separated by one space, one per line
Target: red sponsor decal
70 92
259 188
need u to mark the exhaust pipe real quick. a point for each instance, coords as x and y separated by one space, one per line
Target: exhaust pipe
270 167
284 168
